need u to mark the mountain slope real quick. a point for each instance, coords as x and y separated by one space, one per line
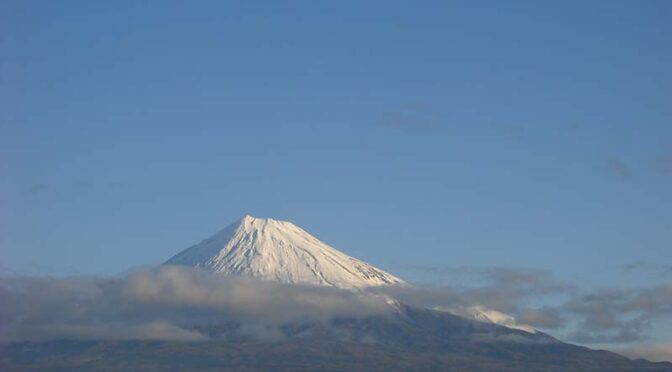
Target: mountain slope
278 250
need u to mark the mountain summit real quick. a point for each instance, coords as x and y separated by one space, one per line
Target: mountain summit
281 251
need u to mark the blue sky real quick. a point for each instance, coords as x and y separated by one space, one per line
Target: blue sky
527 134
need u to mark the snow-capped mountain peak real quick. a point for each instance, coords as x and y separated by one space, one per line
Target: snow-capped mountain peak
279 250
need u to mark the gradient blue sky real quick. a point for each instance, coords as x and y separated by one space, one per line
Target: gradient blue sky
527 134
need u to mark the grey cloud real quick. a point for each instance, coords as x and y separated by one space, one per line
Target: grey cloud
607 315
618 314
36 188
181 304
164 303
411 118
244 297
504 289
5 270
172 302
510 129
638 266
647 267
510 289
657 352
546 318
619 168
423 296
664 165
153 330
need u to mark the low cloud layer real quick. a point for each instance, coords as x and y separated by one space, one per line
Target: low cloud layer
510 290
174 303
618 314
165 303
535 297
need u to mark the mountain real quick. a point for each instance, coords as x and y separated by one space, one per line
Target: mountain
409 338
281 251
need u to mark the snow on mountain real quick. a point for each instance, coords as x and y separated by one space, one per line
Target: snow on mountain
281 251
485 315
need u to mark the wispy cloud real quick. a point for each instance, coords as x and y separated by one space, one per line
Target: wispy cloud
36 188
510 129
415 118
499 287
647 267
545 317
618 168
163 303
603 315
618 314
657 352
664 165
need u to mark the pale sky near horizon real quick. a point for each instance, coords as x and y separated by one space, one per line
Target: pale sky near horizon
531 134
